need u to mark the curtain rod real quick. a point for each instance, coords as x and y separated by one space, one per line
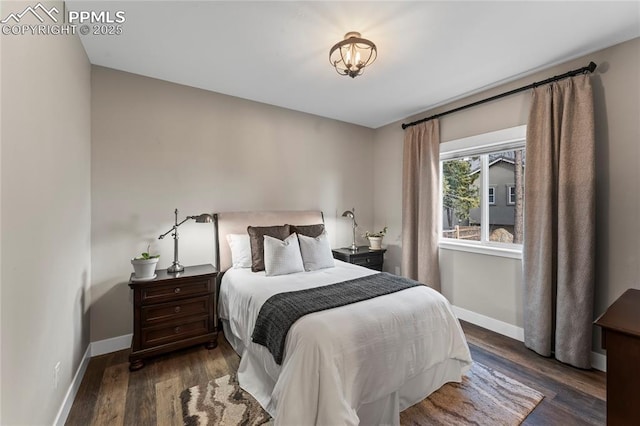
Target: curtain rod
588 69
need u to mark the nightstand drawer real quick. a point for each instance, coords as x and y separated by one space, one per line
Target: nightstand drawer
372 259
182 288
368 261
173 310
169 333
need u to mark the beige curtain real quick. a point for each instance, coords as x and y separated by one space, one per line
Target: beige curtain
560 222
420 201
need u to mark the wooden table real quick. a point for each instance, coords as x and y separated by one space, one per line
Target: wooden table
173 311
621 338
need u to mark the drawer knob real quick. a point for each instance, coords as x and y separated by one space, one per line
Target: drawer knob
176 290
177 309
177 329
368 260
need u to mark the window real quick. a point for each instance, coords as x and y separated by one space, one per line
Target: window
511 194
492 195
482 192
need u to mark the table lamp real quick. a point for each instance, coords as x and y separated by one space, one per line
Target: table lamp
352 215
202 218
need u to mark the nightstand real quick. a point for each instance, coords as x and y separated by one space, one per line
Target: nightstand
173 311
372 259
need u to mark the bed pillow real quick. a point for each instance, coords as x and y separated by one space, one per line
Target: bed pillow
308 230
256 239
316 252
282 257
240 250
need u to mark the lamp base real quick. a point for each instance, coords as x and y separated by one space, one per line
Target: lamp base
175 267
353 248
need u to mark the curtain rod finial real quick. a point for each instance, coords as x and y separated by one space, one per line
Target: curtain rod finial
592 66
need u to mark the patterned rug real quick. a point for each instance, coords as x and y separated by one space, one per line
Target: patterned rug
221 402
484 397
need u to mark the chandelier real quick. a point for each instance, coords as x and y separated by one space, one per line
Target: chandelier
352 54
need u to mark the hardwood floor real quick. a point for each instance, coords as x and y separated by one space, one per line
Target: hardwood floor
112 395
571 396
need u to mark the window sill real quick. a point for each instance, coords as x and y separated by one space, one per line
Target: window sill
486 249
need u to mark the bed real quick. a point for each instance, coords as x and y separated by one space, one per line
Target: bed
357 364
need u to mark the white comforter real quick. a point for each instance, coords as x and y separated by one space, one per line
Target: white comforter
361 362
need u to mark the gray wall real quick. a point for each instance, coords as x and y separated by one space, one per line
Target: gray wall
492 286
45 226
157 146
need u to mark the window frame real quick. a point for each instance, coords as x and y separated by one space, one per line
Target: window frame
502 140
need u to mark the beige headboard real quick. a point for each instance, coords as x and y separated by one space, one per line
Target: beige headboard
237 222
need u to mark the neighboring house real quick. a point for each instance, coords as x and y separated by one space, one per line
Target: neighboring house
502 192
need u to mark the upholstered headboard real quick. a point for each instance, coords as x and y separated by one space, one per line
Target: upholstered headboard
237 222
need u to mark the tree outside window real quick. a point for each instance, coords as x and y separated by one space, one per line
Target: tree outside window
459 195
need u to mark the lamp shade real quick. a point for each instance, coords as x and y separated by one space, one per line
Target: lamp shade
203 218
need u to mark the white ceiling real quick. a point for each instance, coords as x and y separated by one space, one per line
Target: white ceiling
429 53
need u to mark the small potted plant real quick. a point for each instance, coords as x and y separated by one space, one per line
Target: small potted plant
144 266
375 238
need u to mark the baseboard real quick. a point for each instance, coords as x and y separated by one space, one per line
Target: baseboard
114 344
598 360
100 347
70 396
489 323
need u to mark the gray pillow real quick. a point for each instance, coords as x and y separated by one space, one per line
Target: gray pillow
316 252
282 257
256 238
308 230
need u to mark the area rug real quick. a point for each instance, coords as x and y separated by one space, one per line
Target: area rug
484 397
221 402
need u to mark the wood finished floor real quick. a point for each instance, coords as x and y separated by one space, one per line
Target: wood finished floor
111 395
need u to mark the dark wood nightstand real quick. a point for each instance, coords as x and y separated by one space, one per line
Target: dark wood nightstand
372 259
621 338
173 311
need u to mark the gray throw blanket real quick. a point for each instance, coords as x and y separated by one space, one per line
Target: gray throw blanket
281 310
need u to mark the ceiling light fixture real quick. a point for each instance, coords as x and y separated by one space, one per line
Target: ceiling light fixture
354 53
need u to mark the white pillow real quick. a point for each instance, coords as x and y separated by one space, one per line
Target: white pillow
316 252
240 250
282 257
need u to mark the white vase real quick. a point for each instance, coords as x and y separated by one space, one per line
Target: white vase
375 243
144 268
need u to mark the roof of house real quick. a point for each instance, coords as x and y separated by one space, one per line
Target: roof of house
506 157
